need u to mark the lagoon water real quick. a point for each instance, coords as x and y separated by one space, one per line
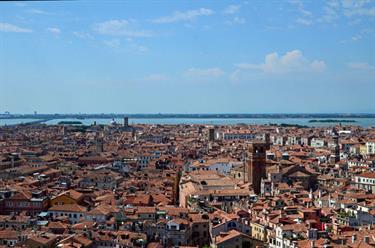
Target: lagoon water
364 122
14 121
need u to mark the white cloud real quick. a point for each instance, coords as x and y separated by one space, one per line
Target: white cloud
300 8
329 16
331 12
292 61
232 9
361 12
20 4
354 3
114 43
139 48
7 27
155 77
304 16
236 20
335 10
204 73
303 21
128 45
318 65
333 3
358 7
361 66
119 28
189 15
357 37
54 30
83 35
37 11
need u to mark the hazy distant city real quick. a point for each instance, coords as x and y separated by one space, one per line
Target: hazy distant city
192 124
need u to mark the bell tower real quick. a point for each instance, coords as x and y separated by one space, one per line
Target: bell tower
257 163
99 146
336 146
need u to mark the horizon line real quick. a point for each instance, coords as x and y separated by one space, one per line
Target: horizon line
213 113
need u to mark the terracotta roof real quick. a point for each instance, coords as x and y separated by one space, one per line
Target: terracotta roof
68 208
367 175
223 237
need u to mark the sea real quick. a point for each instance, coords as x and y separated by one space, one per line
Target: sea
364 122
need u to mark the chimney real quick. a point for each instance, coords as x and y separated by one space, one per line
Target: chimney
267 138
312 244
366 239
354 237
12 161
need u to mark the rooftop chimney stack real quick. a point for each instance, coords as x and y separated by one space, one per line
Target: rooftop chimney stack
312 244
12 161
366 239
211 134
99 143
267 138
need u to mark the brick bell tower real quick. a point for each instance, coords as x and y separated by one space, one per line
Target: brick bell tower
257 163
336 148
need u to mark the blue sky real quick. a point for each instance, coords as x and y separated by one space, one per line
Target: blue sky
187 56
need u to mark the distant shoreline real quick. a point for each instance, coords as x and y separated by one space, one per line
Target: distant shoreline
332 121
70 123
187 116
295 122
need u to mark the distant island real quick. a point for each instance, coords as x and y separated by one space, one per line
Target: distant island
331 121
288 125
316 116
70 123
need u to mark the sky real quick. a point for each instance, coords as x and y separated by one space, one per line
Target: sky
187 56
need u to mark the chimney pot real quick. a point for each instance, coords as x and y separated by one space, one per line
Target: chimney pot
366 239
312 243
354 237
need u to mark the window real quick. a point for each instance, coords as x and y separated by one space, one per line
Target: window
23 204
